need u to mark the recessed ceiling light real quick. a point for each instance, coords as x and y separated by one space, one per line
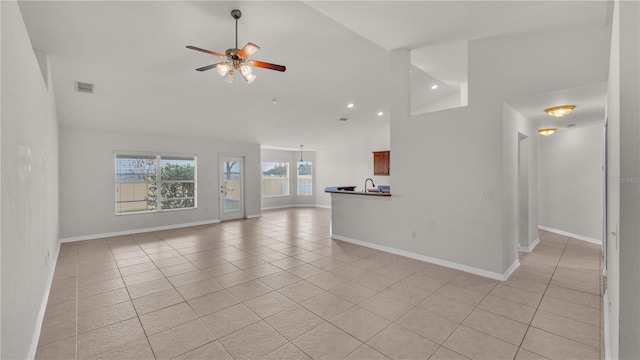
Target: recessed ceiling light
380 113
350 105
275 101
434 87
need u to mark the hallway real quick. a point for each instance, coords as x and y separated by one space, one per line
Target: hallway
277 287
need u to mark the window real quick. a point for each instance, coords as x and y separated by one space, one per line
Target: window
305 178
275 178
138 178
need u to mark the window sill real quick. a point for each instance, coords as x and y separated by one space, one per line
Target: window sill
156 211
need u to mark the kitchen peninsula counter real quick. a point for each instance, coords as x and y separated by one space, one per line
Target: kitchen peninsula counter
339 190
361 217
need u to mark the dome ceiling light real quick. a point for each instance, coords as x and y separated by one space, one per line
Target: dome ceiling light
547 131
559 111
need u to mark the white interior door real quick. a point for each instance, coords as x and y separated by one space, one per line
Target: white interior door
231 187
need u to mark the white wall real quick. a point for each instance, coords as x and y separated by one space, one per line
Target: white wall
87 180
454 199
623 203
629 230
293 199
450 101
612 263
352 163
448 190
515 126
571 181
0 183
29 183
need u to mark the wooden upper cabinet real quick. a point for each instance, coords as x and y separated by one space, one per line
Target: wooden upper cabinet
381 162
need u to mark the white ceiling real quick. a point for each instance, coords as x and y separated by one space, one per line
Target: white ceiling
589 101
336 52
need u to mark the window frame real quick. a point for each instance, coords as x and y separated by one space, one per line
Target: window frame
159 182
288 178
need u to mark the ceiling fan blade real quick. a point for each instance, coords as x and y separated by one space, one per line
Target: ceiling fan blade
207 51
265 65
248 50
209 67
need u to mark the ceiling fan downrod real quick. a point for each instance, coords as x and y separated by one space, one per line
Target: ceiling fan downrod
236 14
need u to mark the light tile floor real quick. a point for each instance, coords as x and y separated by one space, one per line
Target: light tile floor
278 287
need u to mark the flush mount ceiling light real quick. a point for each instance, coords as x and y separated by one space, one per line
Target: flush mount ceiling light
237 60
546 131
380 113
350 105
434 87
560 111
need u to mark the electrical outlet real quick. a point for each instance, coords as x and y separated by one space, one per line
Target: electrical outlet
413 234
46 258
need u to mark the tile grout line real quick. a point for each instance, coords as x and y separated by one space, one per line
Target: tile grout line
564 254
549 284
132 304
181 296
541 299
465 318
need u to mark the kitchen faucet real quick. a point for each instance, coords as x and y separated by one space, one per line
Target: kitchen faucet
365 184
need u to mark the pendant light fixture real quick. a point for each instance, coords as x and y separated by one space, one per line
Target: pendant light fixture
301 166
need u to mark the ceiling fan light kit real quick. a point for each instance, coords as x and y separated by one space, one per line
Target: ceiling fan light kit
237 59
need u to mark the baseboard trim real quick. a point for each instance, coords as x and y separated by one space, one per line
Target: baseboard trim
575 236
607 328
295 206
530 247
510 270
137 231
449 264
253 216
35 339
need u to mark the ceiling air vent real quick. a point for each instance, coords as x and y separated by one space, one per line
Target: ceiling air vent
344 119
84 87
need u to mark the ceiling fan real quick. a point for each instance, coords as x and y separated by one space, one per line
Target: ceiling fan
237 59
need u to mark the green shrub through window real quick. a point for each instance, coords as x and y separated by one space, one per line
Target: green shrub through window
138 178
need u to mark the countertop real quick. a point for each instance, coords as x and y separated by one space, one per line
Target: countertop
334 190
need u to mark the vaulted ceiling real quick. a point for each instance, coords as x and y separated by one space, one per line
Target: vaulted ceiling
336 52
